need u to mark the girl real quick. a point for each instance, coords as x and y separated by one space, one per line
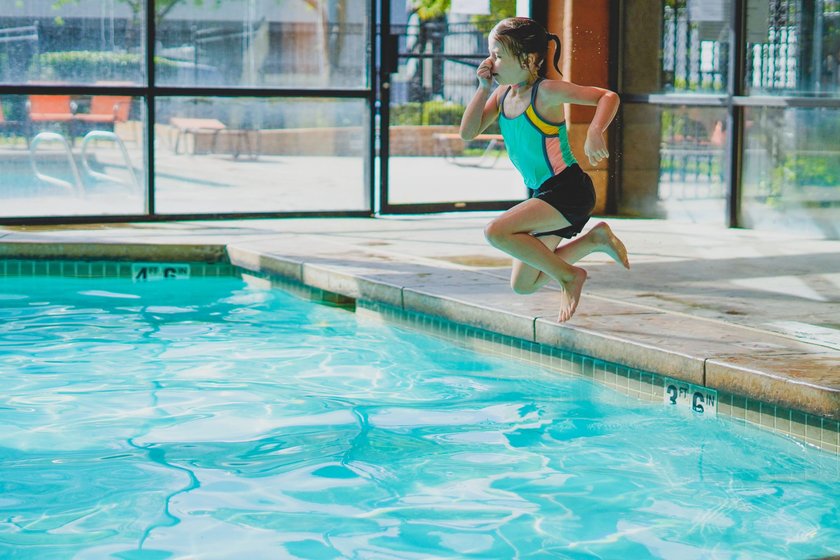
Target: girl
530 112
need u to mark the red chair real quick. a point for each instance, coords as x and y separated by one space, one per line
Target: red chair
107 110
51 108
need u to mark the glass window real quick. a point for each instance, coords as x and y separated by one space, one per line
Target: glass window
682 46
793 47
440 49
293 43
430 163
791 170
260 155
674 163
71 155
72 42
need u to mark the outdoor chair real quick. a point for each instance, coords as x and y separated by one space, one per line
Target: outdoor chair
52 109
185 127
106 110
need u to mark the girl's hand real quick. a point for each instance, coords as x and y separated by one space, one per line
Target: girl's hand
485 74
595 147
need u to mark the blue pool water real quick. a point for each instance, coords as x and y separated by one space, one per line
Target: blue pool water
207 419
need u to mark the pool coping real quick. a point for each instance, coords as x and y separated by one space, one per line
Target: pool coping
761 396
756 371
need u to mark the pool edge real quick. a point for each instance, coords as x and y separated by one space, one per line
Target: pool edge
805 411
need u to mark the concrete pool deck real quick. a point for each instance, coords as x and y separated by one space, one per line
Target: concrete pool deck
744 312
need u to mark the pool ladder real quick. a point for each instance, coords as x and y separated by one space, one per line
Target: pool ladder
77 187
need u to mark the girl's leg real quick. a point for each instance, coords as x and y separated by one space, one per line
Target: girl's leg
511 232
526 279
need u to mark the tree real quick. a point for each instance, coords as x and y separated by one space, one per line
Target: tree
162 7
437 9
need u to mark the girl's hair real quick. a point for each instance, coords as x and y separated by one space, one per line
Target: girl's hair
522 36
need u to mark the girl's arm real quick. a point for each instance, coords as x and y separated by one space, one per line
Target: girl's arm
483 108
606 106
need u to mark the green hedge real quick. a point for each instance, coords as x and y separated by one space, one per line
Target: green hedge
433 113
814 171
426 114
93 66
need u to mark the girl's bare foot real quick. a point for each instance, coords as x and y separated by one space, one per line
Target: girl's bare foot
570 297
611 244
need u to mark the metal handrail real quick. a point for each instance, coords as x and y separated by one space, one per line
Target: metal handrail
110 136
78 188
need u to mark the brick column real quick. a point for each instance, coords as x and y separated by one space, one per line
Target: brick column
641 122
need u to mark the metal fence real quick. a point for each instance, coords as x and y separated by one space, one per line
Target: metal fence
792 46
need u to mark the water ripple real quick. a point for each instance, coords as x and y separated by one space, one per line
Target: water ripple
219 421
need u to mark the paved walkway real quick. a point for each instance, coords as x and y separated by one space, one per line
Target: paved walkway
747 312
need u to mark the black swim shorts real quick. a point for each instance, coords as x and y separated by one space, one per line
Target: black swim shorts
571 192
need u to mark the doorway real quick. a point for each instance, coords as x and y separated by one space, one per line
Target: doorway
426 77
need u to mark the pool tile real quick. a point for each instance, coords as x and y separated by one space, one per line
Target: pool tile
629 380
465 304
622 377
753 412
782 419
286 267
648 386
813 428
767 417
724 406
798 423
588 367
634 381
739 405
830 435
613 343
807 382
599 368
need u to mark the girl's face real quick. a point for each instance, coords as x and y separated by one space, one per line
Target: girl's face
506 67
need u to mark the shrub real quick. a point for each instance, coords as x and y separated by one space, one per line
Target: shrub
87 66
433 113
93 66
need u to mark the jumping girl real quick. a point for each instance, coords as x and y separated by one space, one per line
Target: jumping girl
531 117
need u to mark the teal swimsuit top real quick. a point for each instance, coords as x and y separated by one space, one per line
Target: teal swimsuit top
538 148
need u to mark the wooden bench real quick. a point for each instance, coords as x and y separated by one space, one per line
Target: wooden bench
238 140
448 142
188 126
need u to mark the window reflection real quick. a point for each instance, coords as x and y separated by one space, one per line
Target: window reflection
294 43
435 79
260 155
675 162
682 47
695 45
793 46
79 42
71 155
791 172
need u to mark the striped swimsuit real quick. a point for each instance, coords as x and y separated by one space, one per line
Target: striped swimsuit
538 148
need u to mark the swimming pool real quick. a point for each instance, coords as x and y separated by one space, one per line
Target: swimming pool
209 418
